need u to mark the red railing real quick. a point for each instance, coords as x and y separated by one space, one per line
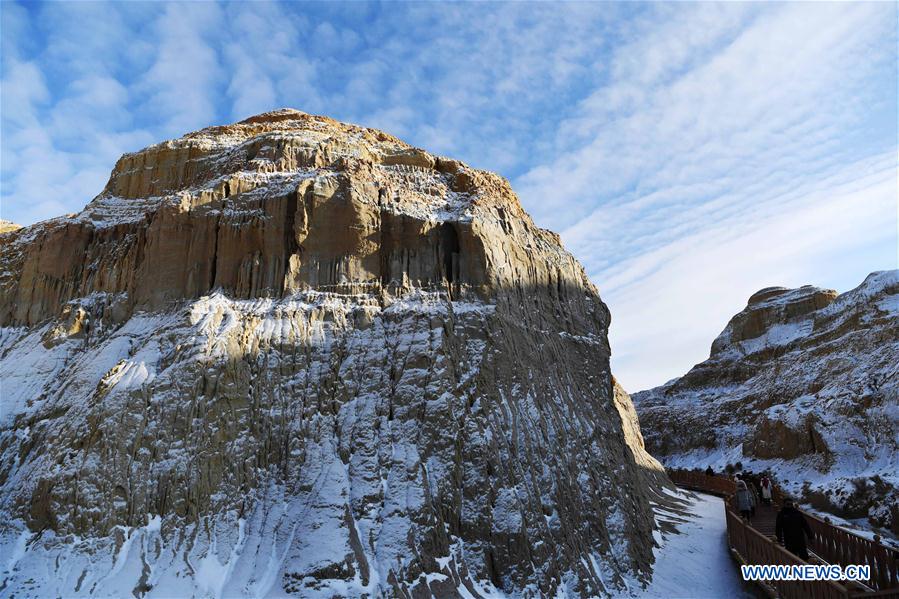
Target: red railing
752 547
831 543
700 481
837 546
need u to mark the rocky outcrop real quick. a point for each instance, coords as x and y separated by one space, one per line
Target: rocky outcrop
293 356
773 315
803 382
7 226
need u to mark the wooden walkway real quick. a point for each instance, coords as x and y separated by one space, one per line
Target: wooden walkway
765 518
753 542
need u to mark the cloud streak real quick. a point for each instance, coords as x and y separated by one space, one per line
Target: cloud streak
720 131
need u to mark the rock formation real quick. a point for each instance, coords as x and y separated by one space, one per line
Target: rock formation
803 382
292 356
7 226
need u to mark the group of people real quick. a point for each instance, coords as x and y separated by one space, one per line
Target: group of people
747 496
791 528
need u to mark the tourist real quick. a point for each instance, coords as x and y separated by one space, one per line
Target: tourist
744 500
792 529
766 490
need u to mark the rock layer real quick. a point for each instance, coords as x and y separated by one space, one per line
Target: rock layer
803 382
295 356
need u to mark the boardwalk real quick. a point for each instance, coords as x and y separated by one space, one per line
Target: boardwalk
753 543
765 519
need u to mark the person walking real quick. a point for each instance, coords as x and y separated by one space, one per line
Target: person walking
792 529
766 490
744 500
750 484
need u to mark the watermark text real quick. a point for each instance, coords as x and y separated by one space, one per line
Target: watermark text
806 572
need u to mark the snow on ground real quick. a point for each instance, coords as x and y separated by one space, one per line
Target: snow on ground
696 563
693 562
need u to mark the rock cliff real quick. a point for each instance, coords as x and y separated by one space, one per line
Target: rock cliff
292 356
803 382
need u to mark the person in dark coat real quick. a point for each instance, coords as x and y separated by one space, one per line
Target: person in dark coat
792 529
709 471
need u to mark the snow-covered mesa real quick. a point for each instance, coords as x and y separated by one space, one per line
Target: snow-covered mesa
296 357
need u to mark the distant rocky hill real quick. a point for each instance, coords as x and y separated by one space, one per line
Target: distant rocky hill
292 356
804 382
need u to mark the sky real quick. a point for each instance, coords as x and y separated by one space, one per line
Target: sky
689 154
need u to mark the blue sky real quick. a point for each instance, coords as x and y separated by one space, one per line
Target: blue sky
688 153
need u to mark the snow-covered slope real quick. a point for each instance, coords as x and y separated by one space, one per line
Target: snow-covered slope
297 357
694 560
803 382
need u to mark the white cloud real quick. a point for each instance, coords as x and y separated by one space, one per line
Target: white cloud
714 161
252 90
267 60
794 67
23 89
181 86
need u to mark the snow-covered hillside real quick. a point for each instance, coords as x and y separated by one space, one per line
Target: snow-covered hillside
804 383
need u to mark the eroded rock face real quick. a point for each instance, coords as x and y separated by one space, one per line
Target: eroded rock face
294 356
803 382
